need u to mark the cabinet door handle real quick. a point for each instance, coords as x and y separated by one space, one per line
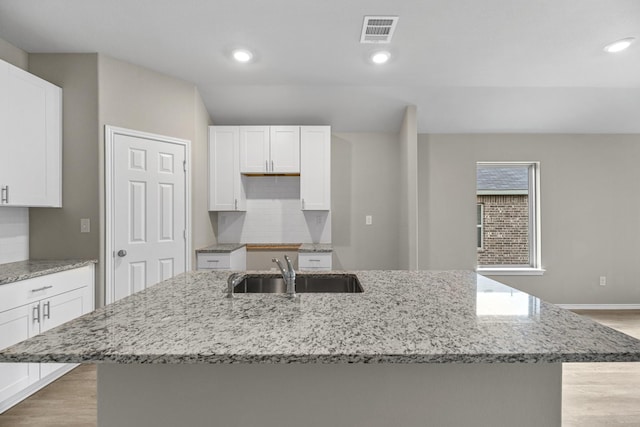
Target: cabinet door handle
302 203
266 165
36 313
46 310
272 168
5 194
44 288
236 204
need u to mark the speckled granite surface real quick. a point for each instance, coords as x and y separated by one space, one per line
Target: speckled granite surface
401 317
222 247
316 247
22 270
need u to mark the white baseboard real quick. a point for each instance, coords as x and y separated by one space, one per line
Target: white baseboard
600 306
26 392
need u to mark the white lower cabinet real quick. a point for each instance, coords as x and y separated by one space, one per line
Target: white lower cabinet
32 306
16 326
314 260
236 260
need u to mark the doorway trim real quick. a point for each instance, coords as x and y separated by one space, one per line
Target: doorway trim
110 133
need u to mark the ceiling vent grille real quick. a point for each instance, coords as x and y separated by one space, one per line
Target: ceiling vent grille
378 29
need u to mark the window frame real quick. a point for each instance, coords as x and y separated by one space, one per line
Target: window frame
480 225
535 248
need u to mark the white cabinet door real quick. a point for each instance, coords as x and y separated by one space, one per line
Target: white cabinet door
254 149
30 140
315 168
226 192
60 309
16 325
285 149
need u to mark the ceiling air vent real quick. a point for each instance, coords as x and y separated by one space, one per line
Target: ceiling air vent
378 29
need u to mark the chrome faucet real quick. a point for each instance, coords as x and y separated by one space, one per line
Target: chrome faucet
289 275
232 281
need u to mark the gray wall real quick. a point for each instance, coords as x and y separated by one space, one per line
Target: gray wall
590 210
141 99
365 180
55 233
13 55
99 90
408 250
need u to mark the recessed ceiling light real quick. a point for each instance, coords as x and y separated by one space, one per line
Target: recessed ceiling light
619 46
242 55
380 57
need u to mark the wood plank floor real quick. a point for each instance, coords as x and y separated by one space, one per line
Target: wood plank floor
594 394
603 394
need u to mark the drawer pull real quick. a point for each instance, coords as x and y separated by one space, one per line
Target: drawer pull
213 260
44 288
36 313
314 260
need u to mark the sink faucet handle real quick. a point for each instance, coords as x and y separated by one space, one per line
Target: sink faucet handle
280 266
289 264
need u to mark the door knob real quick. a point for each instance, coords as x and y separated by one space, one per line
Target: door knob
122 253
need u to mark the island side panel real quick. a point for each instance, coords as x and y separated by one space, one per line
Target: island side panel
316 395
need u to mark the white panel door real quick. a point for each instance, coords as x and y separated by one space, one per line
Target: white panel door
285 149
315 167
149 212
16 325
254 149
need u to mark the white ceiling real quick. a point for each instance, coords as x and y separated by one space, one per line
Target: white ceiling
468 65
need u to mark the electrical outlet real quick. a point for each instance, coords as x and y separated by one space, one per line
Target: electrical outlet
603 280
85 225
368 220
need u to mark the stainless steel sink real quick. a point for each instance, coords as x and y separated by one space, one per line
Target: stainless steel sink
272 283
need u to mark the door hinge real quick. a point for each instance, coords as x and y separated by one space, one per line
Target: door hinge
184 165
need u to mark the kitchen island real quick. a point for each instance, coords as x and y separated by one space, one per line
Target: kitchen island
448 348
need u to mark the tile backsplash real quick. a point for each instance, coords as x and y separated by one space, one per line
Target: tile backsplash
14 234
273 215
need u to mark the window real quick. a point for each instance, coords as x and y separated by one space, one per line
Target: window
508 226
480 221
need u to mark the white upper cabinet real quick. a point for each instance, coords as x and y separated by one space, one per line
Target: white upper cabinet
30 139
270 149
254 149
226 192
285 149
315 168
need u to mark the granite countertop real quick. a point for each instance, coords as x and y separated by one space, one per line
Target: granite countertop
23 270
401 317
316 247
221 247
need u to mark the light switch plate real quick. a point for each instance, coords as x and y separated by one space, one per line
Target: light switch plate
85 225
368 220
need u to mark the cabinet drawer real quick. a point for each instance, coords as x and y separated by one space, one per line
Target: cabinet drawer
26 291
214 261
314 261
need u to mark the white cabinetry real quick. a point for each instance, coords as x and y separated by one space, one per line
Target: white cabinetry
226 192
315 168
30 139
236 260
32 306
270 149
314 260
16 326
